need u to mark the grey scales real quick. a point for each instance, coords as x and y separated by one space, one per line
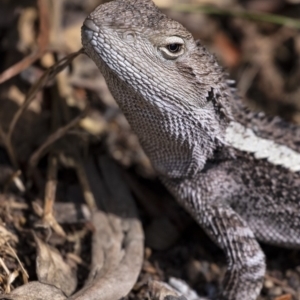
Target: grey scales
235 171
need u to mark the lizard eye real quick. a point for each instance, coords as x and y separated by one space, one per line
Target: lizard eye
172 48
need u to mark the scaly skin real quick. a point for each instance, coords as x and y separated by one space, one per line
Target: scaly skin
238 180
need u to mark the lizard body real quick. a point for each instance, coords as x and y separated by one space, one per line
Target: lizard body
235 171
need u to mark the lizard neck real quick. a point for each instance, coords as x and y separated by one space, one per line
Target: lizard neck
179 109
178 140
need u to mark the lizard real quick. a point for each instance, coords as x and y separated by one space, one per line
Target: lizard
235 171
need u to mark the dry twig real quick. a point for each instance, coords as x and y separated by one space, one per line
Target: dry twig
9 148
48 75
50 193
42 41
87 192
118 239
53 138
244 14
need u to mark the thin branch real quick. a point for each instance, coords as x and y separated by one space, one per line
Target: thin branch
15 178
250 15
9 148
117 254
50 194
48 75
14 254
87 192
58 134
42 41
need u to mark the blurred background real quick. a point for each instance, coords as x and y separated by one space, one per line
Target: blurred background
256 41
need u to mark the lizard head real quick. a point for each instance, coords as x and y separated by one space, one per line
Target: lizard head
142 45
134 29
152 62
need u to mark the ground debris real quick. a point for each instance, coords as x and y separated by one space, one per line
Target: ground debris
69 225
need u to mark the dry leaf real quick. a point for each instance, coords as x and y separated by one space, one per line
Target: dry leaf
52 269
35 291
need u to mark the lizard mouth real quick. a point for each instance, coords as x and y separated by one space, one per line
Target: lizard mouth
90 25
89 29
